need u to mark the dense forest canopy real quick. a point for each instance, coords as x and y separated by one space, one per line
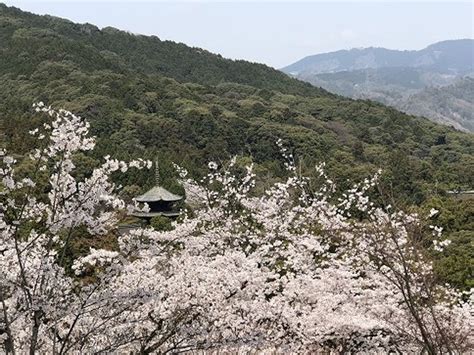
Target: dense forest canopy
147 98
92 49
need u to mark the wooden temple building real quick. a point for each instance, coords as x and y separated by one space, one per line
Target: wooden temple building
160 201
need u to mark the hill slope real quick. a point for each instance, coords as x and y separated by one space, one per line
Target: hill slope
145 97
25 36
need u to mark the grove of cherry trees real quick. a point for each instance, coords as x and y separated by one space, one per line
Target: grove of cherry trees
299 269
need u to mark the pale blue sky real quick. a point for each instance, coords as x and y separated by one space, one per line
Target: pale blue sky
275 33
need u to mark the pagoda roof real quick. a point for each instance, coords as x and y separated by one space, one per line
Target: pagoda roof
158 193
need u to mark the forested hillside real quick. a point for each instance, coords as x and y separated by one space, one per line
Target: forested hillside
147 98
28 40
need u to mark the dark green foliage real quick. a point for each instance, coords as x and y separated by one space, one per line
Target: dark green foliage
455 264
161 223
29 39
80 242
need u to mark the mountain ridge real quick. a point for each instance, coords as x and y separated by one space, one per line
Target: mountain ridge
378 57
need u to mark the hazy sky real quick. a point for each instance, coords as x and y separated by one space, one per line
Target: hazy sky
275 33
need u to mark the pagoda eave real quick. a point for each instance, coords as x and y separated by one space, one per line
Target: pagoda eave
154 214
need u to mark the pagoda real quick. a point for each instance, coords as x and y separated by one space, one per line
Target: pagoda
160 201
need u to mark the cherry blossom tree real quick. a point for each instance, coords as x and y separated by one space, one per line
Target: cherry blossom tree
298 269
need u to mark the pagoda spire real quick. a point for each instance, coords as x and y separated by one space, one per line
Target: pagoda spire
157 173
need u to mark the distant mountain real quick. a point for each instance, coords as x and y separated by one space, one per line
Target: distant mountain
449 57
399 78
